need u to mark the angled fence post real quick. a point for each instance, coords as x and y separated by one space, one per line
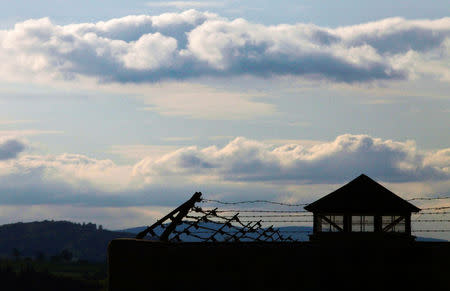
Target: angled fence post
180 213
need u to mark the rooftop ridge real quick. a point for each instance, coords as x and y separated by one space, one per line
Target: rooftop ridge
362 194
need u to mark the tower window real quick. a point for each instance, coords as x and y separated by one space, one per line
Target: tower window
398 227
362 223
326 226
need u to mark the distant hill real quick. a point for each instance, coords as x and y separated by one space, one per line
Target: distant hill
50 238
419 238
299 233
291 231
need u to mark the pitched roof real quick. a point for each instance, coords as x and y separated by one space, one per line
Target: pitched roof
362 195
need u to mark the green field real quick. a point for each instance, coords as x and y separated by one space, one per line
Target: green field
26 274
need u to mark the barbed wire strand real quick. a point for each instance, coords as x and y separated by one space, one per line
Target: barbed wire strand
253 201
301 211
261 211
436 208
431 230
293 221
430 220
433 212
204 200
428 198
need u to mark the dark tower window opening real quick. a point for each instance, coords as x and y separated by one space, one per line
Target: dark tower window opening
331 223
363 223
393 223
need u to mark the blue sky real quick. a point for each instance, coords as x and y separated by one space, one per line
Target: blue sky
321 12
114 112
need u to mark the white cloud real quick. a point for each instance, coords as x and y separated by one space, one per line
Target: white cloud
397 35
328 162
151 51
76 171
439 158
186 4
192 44
241 169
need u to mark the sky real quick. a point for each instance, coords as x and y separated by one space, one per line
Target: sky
116 112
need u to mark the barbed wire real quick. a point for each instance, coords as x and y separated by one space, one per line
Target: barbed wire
278 215
264 221
310 231
204 200
432 212
430 220
286 213
296 231
428 198
310 215
214 225
197 217
431 230
261 211
436 208
306 214
294 221
253 201
301 211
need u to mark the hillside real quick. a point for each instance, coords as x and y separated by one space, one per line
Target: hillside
51 238
299 233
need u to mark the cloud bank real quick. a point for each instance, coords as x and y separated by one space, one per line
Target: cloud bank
247 167
192 44
10 147
332 162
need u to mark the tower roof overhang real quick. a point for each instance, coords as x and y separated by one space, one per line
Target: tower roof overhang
362 195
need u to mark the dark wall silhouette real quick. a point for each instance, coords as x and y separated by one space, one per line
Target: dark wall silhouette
138 264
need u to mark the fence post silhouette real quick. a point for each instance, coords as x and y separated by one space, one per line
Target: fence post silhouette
182 211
